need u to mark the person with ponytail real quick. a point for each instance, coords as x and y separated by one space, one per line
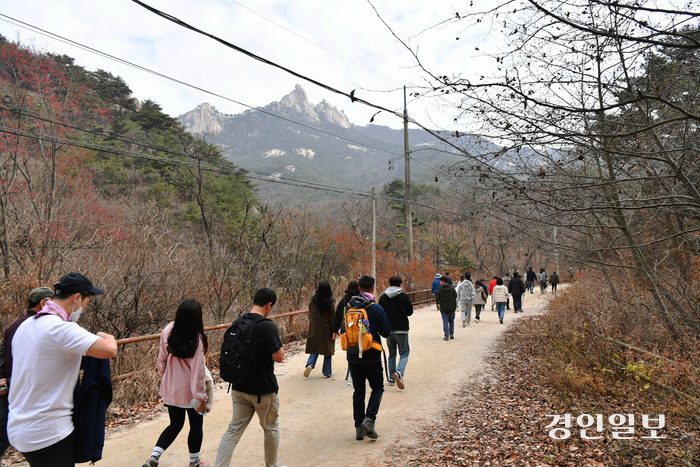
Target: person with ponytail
182 365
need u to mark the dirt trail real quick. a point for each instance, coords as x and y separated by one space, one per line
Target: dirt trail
316 414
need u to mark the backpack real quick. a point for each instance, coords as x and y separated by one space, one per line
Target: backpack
239 351
355 331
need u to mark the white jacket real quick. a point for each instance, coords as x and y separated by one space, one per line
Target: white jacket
500 294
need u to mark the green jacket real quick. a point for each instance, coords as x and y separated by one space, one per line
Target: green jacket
554 278
446 296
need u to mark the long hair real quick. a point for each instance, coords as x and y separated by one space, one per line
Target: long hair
324 297
352 290
187 330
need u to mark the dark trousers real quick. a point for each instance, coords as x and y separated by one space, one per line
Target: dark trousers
61 454
4 443
478 309
373 374
177 421
517 302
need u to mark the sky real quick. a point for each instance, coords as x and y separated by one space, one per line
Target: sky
341 43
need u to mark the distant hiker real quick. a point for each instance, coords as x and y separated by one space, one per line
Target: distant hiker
36 301
481 295
259 395
530 277
571 273
436 285
398 307
447 304
542 278
182 367
554 280
500 294
320 339
492 285
506 282
517 290
45 370
449 279
466 294
367 366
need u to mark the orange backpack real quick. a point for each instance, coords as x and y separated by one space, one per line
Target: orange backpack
355 324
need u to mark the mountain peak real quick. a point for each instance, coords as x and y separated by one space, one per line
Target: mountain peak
203 119
296 105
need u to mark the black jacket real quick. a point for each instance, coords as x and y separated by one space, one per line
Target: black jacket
516 286
93 396
398 307
530 276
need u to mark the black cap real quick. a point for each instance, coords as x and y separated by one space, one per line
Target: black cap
73 283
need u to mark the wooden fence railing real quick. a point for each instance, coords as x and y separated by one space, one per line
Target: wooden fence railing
418 297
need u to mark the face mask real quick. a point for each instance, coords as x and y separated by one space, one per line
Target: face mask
75 315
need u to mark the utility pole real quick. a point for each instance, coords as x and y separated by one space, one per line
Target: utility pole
409 217
373 236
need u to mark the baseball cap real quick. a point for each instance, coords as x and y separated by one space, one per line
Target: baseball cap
40 293
74 282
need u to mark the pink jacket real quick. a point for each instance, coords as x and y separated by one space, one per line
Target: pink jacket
183 378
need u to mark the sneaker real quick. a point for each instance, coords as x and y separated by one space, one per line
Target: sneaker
392 382
501 321
399 380
445 338
368 427
477 320
464 323
307 372
359 433
327 376
452 336
199 463
152 462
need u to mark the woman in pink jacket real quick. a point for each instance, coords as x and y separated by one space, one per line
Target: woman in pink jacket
181 363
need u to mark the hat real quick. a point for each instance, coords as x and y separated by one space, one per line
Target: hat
73 283
438 276
39 294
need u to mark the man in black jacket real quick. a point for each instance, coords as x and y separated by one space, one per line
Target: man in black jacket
517 288
398 307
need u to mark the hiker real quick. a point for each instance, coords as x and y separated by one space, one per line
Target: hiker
398 307
320 339
466 294
181 365
517 289
258 395
40 420
449 279
492 284
542 278
35 302
368 365
447 304
436 285
554 280
530 278
506 282
480 297
500 294
571 273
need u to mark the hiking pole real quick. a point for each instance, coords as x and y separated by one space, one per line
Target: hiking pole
386 368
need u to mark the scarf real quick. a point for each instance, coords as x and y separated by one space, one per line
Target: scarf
51 308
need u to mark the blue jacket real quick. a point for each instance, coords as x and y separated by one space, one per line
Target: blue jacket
378 326
93 396
436 285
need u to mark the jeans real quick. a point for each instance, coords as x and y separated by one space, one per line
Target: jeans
478 309
327 368
530 286
467 310
501 308
393 342
371 373
60 454
517 302
543 286
244 407
177 421
448 323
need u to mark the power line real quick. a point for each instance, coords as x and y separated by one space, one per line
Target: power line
313 43
178 81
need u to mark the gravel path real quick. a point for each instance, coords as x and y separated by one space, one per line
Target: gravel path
316 413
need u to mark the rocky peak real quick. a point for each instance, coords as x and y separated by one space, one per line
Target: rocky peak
203 119
296 105
332 114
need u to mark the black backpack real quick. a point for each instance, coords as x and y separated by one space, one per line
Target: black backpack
239 351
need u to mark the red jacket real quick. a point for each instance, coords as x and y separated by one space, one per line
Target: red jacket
492 284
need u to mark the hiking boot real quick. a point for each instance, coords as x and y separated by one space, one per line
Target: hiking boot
368 427
307 371
452 336
501 321
152 462
199 463
398 377
359 433
445 338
